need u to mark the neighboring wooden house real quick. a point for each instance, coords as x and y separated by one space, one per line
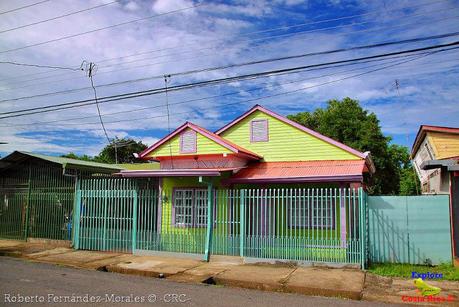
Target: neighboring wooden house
435 156
301 184
434 143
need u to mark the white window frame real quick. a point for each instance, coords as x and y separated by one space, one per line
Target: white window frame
196 215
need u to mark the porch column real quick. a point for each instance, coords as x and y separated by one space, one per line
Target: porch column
210 219
342 215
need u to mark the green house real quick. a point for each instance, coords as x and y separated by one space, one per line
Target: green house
262 186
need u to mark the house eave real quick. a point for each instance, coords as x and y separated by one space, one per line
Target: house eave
318 179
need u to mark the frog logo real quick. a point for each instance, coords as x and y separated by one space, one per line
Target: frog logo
426 289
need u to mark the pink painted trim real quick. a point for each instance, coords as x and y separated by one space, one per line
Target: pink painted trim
294 124
251 131
195 146
343 221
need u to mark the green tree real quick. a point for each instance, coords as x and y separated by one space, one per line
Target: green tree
347 122
125 149
77 157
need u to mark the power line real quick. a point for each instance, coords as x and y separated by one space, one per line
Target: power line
91 71
277 36
281 28
269 60
103 28
122 69
199 99
68 105
23 7
41 66
57 17
281 93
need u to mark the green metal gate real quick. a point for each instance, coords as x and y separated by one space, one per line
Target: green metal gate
111 214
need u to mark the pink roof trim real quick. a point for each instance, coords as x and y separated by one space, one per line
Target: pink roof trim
294 124
219 140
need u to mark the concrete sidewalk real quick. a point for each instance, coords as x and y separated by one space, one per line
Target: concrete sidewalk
221 270
229 271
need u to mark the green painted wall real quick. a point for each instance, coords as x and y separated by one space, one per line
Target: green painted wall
286 143
409 229
204 146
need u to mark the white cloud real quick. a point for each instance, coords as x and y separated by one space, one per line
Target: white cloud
174 43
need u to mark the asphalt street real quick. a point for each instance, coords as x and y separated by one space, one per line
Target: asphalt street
25 283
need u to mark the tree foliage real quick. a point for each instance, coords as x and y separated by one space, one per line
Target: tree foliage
347 122
125 149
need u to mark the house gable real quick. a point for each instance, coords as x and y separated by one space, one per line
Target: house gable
175 146
285 141
444 145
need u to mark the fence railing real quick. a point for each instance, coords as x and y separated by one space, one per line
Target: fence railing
311 225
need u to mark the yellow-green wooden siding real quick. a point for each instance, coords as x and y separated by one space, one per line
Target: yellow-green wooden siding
286 143
204 146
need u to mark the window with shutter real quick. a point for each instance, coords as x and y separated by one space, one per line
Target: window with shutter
188 142
259 130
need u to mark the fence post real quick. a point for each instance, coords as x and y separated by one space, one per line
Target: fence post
209 221
29 194
241 222
361 229
134 220
77 215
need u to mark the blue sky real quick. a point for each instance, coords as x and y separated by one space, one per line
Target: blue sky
214 34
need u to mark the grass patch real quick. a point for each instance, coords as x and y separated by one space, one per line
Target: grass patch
405 270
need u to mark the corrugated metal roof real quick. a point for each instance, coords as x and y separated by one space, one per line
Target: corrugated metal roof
17 156
302 169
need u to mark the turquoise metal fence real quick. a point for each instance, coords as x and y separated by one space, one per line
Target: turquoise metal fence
311 225
409 229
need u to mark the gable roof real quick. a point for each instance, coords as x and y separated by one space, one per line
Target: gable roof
295 125
214 137
18 156
423 129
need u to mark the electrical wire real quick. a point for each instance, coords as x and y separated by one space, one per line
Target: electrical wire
156 91
280 84
57 17
281 93
23 7
103 28
269 60
261 39
40 66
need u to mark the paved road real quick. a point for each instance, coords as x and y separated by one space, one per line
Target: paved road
51 285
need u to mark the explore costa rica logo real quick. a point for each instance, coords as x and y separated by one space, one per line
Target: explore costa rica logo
428 293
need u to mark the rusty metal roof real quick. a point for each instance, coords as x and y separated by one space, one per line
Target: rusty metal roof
302 171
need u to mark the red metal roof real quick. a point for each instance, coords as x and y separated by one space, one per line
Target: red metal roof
339 170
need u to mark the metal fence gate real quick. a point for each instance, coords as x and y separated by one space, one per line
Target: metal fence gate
36 202
114 214
310 225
